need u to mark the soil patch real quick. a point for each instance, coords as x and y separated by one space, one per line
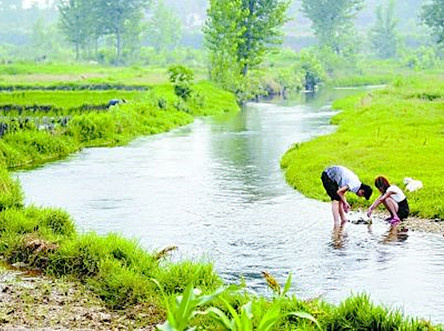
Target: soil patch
31 301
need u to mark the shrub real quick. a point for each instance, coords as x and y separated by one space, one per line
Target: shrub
182 79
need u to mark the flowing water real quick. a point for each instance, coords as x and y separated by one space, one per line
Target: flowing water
215 189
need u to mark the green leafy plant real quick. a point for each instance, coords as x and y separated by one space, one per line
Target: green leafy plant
243 321
182 79
185 307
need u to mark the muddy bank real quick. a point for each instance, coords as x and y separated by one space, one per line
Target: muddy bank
412 223
33 301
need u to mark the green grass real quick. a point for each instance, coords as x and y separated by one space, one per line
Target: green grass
83 76
147 112
121 273
66 100
396 132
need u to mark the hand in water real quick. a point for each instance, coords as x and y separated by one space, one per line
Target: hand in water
369 213
345 206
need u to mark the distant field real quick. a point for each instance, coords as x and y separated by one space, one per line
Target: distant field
41 74
66 99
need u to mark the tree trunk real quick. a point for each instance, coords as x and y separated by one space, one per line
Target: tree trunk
118 38
118 46
77 51
248 36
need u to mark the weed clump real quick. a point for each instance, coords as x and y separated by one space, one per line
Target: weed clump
11 194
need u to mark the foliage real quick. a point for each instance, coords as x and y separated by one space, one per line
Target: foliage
185 307
275 286
383 35
311 69
367 316
240 46
244 320
11 194
40 131
165 29
85 22
433 16
76 22
332 20
182 79
51 103
422 58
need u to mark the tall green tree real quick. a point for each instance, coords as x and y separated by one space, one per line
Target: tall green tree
433 16
238 35
383 36
332 20
165 28
75 22
121 17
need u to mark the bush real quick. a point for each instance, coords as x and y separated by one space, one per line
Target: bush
311 69
182 79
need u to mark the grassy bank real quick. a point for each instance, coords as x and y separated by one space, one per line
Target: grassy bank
117 270
396 132
43 126
147 285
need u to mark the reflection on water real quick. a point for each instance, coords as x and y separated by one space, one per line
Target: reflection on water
395 234
215 189
338 236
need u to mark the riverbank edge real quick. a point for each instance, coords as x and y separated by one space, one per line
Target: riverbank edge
159 112
31 300
360 153
412 223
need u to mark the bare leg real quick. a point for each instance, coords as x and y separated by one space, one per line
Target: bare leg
392 207
335 210
338 236
342 213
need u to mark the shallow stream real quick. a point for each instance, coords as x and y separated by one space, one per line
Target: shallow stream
215 189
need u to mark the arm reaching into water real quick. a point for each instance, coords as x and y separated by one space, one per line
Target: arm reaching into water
341 193
377 202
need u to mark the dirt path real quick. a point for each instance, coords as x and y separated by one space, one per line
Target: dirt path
30 302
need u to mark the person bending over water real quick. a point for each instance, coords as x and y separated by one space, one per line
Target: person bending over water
393 199
337 180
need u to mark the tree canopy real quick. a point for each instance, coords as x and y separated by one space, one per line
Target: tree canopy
433 16
331 19
84 22
238 34
383 35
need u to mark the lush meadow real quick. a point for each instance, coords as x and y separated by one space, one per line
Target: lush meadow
116 269
45 123
396 131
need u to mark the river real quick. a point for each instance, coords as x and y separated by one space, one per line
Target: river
215 189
